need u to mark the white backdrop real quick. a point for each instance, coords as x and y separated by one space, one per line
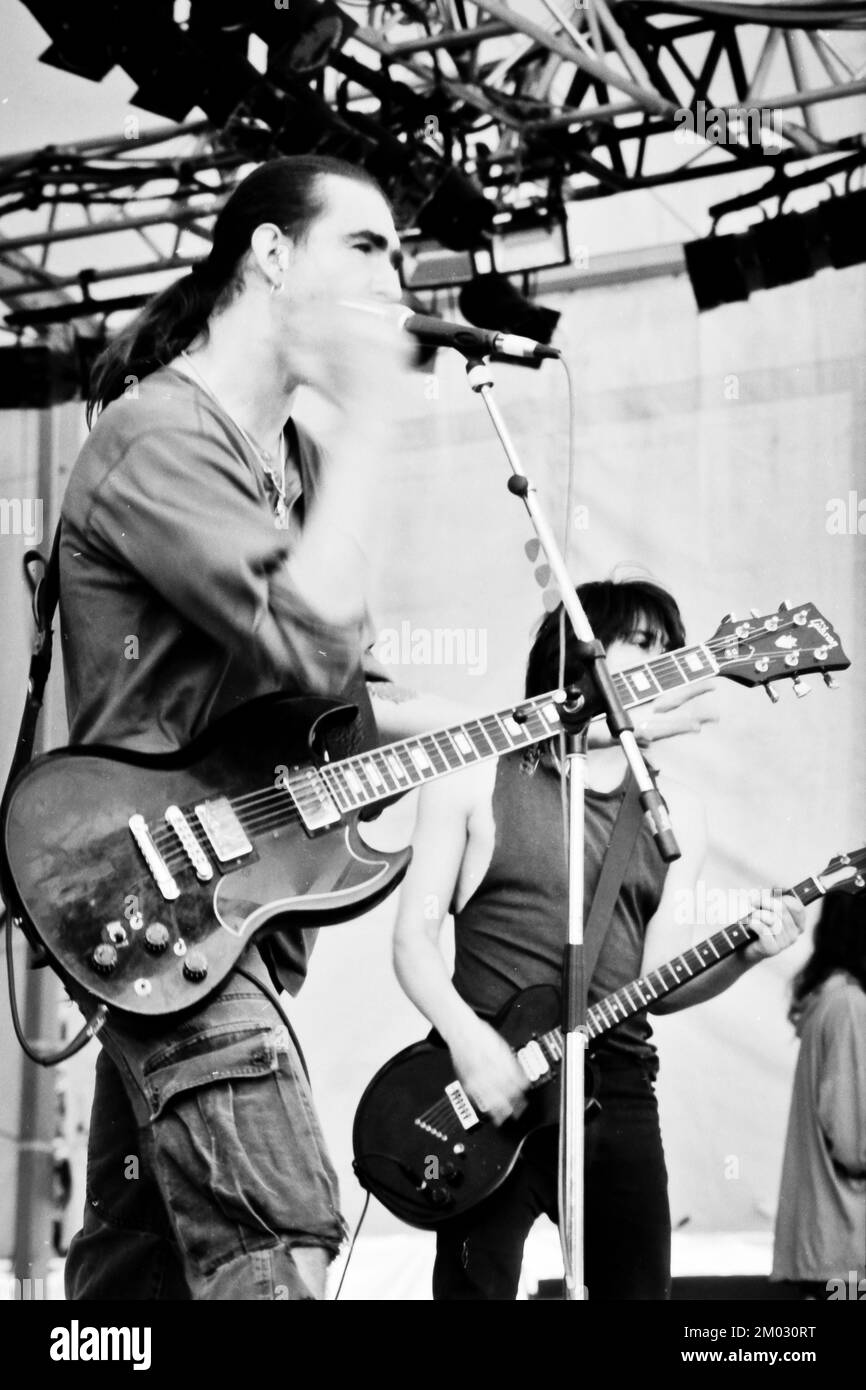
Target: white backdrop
709 449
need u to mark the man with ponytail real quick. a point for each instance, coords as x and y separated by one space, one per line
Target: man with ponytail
212 552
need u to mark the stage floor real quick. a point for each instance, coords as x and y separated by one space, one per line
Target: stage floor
397 1268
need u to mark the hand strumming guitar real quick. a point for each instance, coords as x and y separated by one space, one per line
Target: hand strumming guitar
489 1071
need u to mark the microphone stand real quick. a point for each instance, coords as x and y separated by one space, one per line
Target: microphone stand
573 716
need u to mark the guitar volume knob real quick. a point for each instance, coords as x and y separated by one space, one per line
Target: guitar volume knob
156 938
104 958
195 966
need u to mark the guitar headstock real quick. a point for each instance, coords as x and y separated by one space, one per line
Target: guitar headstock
791 642
845 873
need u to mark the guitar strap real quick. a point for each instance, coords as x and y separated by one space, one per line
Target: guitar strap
622 842
46 593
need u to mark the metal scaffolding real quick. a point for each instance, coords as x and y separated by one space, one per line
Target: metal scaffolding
533 105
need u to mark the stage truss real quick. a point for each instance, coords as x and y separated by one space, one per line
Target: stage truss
476 118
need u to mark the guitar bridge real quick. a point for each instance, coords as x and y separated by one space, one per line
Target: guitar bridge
153 859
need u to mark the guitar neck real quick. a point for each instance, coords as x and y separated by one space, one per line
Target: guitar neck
641 993
367 778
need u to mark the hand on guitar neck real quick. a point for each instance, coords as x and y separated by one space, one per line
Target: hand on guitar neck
682 711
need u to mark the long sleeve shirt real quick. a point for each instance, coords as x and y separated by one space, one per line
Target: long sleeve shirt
176 601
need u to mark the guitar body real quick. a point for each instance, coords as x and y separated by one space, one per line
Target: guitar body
411 1149
421 1148
80 880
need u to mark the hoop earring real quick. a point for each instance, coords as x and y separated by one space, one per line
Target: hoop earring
277 288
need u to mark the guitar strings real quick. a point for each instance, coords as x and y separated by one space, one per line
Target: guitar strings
308 798
259 802
268 807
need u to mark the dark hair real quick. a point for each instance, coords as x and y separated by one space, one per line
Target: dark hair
839 944
285 191
615 609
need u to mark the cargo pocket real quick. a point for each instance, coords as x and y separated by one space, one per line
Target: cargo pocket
223 1051
237 1148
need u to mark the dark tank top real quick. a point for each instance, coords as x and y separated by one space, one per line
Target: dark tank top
511 932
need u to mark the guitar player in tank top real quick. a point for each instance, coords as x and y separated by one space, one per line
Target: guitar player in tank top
489 848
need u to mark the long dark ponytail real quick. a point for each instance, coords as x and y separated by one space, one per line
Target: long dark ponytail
285 191
839 944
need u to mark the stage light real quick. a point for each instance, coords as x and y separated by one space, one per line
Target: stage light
491 301
843 221
779 251
531 238
458 215
716 270
87 51
303 36
783 251
32 378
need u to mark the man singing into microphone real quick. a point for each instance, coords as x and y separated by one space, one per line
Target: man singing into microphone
212 553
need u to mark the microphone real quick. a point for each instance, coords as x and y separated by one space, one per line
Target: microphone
472 342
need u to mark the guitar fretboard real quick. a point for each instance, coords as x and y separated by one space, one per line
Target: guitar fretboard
362 780
641 993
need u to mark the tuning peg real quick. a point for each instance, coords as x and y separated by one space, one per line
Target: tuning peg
773 694
729 618
784 606
755 612
830 681
801 687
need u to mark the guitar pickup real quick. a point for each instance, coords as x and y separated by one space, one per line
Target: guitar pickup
533 1061
185 833
316 806
220 823
463 1107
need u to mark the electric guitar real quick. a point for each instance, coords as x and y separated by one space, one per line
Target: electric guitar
420 1145
144 878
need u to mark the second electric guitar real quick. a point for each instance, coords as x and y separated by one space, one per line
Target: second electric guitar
428 1155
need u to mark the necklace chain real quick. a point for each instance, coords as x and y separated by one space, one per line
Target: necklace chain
264 456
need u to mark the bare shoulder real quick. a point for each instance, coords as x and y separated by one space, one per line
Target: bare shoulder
464 792
684 802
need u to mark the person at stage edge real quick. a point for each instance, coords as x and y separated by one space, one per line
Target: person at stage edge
820 1236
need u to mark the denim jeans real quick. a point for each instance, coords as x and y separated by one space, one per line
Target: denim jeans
206 1166
627 1235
